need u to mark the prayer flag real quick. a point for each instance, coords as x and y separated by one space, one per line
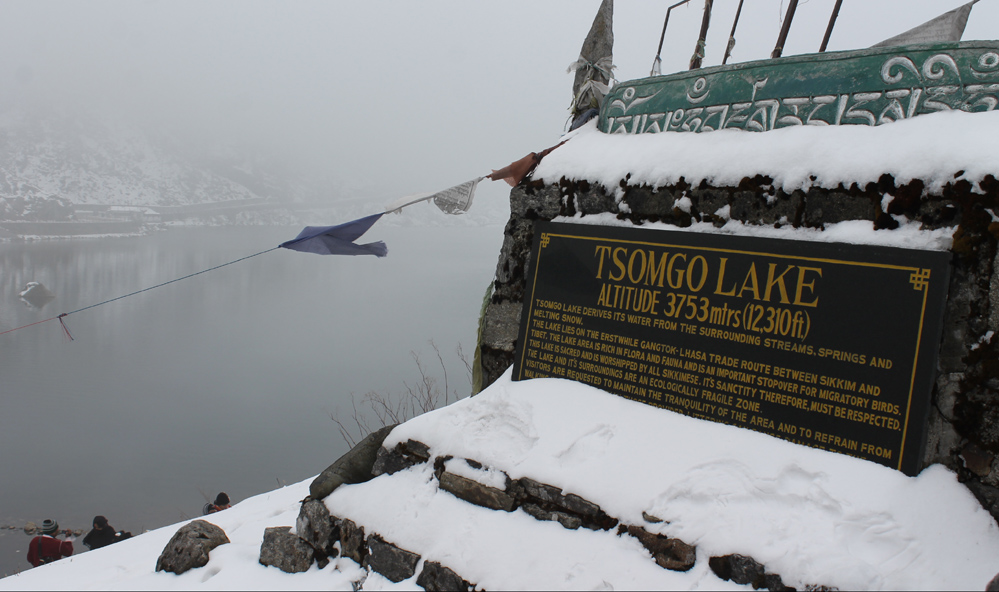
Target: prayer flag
337 240
454 200
515 172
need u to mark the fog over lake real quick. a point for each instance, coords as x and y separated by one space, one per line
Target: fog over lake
221 382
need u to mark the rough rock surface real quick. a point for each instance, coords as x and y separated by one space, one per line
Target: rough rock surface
435 577
402 456
392 562
315 525
352 541
353 467
190 547
476 493
286 551
669 553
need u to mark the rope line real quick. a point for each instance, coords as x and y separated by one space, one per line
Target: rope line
28 325
66 314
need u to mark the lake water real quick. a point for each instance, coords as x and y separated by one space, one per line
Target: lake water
221 382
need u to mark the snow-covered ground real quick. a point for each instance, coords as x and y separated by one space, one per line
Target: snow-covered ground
814 517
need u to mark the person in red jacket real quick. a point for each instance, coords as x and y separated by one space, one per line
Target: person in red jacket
46 548
221 503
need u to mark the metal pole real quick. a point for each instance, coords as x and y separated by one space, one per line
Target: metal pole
779 48
656 68
829 28
731 36
695 60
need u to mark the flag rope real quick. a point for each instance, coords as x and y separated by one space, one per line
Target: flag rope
66 314
454 200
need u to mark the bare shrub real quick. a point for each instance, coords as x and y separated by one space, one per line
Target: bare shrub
376 409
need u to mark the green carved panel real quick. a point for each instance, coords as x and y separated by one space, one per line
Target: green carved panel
863 87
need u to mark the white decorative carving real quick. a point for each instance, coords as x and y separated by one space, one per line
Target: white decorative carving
902 61
858 108
935 67
699 92
988 65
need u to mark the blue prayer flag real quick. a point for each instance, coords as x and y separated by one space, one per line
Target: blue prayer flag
337 240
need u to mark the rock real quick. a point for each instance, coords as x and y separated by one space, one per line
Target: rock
315 526
476 493
976 460
352 541
553 495
353 467
36 295
392 562
672 554
567 520
738 568
285 551
404 455
190 547
773 583
435 577
992 586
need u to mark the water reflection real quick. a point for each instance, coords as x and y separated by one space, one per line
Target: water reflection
222 382
35 295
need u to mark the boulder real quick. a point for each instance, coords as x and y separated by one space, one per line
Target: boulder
567 520
285 551
476 493
353 467
315 526
435 577
36 295
404 455
553 495
672 554
746 570
392 562
190 547
352 541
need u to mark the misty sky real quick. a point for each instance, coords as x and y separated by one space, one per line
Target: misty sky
402 97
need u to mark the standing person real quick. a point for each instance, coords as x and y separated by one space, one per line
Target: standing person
46 548
101 536
221 503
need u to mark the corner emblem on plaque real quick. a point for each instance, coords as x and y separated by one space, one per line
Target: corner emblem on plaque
919 279
545 238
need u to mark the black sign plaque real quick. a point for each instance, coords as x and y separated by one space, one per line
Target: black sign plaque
829 345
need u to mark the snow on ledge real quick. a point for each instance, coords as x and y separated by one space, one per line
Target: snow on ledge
934 148
909 234
812 516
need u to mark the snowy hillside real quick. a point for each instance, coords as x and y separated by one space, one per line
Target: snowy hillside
50 161
814 517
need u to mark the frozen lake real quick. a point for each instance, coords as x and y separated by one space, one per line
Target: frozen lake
221 382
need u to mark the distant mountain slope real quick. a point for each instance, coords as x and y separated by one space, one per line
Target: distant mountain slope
50 163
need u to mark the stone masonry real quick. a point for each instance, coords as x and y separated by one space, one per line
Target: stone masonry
964 416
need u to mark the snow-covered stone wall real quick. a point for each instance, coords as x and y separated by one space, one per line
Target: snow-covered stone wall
952 201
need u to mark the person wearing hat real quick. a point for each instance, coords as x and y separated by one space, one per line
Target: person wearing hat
46 548
221 503
101 536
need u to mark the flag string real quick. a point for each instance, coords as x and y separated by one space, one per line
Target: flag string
339 240
66 314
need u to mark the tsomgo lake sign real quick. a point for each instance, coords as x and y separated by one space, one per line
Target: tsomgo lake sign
828 345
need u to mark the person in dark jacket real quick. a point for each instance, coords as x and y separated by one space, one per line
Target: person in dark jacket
101 536
46 548
221 503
